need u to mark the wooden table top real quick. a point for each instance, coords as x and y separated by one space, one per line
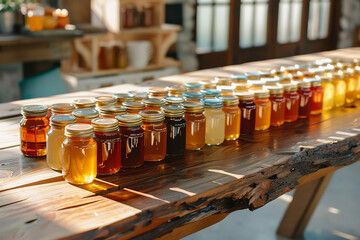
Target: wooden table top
149 202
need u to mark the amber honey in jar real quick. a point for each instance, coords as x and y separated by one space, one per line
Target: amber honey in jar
106 55
33 128
62 109
193 96
340 88
357 78
107 138
132 140
155 135
239 78
329 93
232 117
55 138
85 115
102 101
193 87
176 129
215 121
112 111
292 101
277 105
208 83
248 112
83 103
195 125
79 154
263 109
317 95
133 107
157 92
350 86
122 97
305 95
173 100
175 90
153 104
147 19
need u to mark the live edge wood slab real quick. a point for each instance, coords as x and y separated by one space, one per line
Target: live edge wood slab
163 199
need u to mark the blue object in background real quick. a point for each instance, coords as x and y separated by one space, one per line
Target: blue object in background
43 85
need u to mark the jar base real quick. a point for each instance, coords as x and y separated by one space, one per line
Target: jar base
216 144
154 160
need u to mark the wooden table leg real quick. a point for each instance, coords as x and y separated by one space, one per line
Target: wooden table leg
302 206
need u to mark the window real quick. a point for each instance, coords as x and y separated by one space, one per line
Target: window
289 21
318 22
253 23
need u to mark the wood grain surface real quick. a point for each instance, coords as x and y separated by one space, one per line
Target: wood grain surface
152 201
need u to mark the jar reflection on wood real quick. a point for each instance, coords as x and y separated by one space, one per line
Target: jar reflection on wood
106 55
215 121
305 95
33 128
176 129
79 154
232 117
263 109
155 135
132 140
195 125
248 112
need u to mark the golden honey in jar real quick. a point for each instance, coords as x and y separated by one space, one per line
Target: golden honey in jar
155 135
122 97
292 101
277 105
215 121
329 93
223 81
84 103
350 86
263 109
175 90
195 125
133 107
112 111
210 93
340 88
102 101
239 78
193 96
232 117
170 100
85 115
54 139
157 92
193 87
33 128
208 83
79 154
357 78
62 109
153 104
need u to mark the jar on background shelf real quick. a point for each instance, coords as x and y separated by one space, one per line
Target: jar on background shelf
195 125
106 56
147 15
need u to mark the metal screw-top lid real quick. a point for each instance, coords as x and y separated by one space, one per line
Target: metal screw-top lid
239 78
243 96
79 130
62 120
174 100
85 113
104 101
289 87
256 83
153 102
229 100
349 72
208 83
191 107
328 68
226 90
261 93
213 103
253 75
113 110
297 76
64 108
302 67
193 85
223 81
129 120
84 103
336 75
34 110
152 116
175 90
157 92
210 93
317 71
139 96
173 110
275 89
271 81
122 97
242 87
313 81
105 124
357 69
267 74
290 69
131 105
324 78
193 95
286 78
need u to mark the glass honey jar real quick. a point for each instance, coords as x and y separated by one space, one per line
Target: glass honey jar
157 92
173 100
292 101
79 154
155 135
195 125
54 139
132 140
329 93
357 78
215 121
133 107
340 88
33 128
193 87
84 103
208 83
350 86
317 95
223 81
277 99
176 129
305 95
210 93
263 109
232 117
175 90
193 96
248 112
112 111
122 97
85 115
107 138
153 104
62 109
102 101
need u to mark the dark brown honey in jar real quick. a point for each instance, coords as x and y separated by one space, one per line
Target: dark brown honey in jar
195 125
102 101
112 111
248 112
305 95
107 139
232 117
85 115
173 100
122 97
291 102
132 140
83 103
175 90
157 92
155 135
176 130
133 107
277 105
33 128
153 104
62 109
